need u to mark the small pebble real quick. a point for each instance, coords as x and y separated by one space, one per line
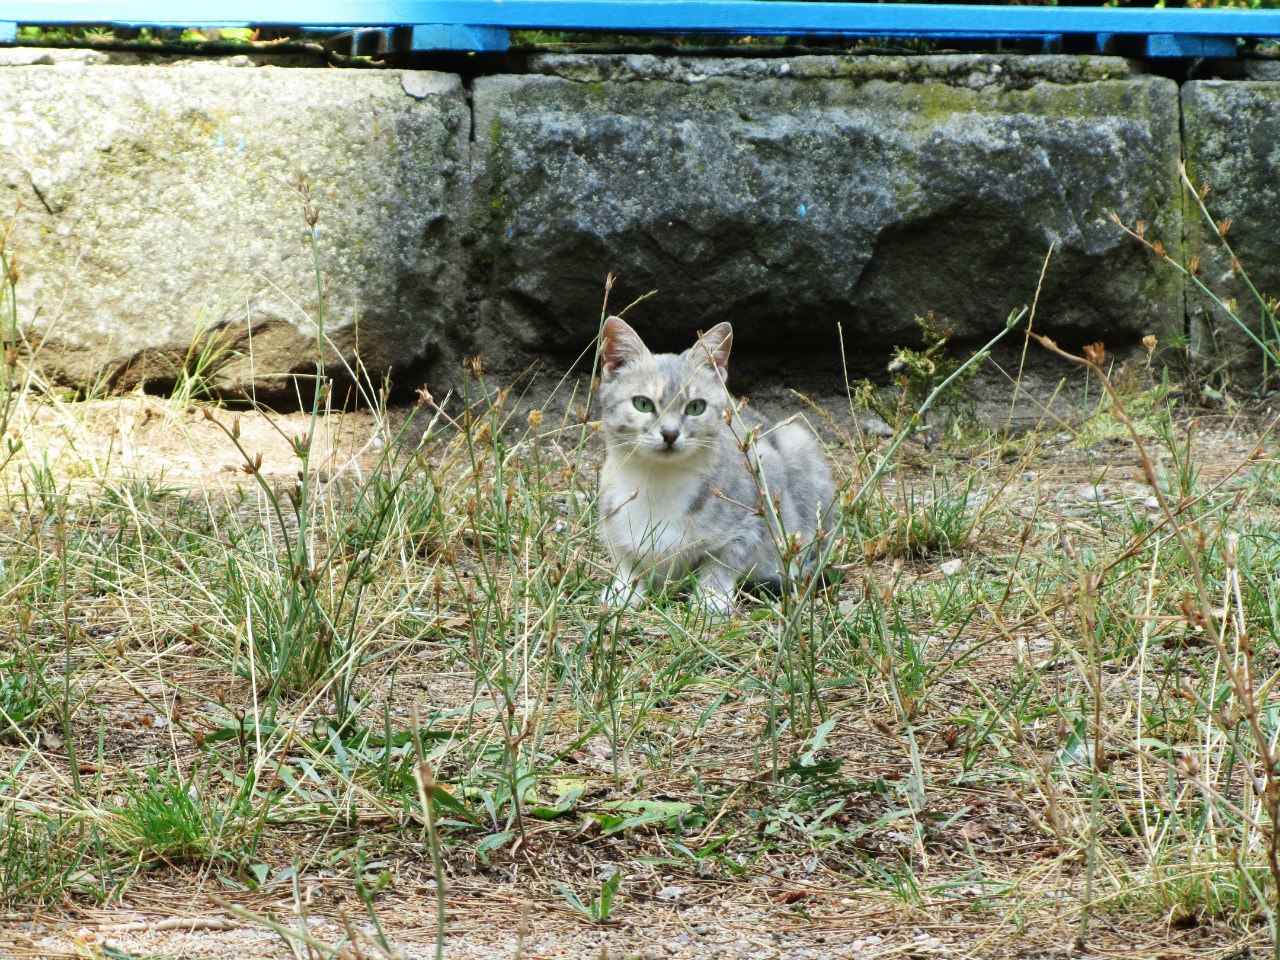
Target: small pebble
877 428
1091 493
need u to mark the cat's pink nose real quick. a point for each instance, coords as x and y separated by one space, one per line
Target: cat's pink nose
669 436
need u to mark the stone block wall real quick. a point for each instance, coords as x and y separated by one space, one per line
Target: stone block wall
150 204
146 205
1232 143
858 192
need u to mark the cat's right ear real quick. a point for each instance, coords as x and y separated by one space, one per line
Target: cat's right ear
713 348
620 346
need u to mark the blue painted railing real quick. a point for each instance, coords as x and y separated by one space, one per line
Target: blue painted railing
486 24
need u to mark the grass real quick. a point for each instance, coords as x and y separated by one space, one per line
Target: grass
364 672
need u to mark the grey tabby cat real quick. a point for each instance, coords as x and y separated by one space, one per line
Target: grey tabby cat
678 493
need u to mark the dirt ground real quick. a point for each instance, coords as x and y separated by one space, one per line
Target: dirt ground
797 907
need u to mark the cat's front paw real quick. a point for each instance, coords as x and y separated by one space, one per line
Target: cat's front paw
716 600
622 593
717 605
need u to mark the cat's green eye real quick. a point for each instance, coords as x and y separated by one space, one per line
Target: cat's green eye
643 404
695 407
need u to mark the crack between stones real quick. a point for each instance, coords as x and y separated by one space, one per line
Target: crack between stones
43 200
469 99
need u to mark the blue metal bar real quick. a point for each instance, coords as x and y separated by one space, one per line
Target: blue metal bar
1181 45
664 16
787 16
456 37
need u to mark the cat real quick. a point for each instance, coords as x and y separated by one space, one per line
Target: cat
679 495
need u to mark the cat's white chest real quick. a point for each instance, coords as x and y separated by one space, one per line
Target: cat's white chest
648 518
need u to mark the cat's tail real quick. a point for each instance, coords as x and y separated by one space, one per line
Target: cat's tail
774 585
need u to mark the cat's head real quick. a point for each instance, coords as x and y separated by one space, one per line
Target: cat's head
663 407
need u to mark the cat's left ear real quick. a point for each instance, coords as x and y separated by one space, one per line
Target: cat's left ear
620 346
713 346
